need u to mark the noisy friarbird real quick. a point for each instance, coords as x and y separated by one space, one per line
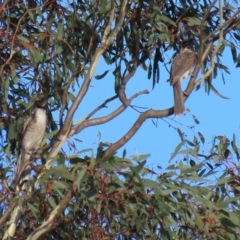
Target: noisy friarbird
30 139
181 68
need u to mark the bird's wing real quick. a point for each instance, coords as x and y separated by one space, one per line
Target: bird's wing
28 119
181 66
21 135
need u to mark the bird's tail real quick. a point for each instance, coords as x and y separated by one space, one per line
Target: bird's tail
178 99
23 170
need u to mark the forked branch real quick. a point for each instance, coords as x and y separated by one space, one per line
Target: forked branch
97 121
156 113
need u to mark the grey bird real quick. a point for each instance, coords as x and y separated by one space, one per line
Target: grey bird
31 137
181 68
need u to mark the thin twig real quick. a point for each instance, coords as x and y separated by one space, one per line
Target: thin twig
101 106
206 14
229 21
197 83
97 121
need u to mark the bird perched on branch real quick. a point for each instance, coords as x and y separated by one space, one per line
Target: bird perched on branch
181 68
30 140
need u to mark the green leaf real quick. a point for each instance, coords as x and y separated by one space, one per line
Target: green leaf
117 74
34 211
192 163
236 36
58 50
52 202
61 185
166 19
124 153
218 93
201 137
60 29
225 68
227 222
98 77
21 38
31 15
70 96
234 52
105 6
12 133
234 147
150 70
223 180
164 37
139 158
195 119
193 21
6 87
80 178
177 150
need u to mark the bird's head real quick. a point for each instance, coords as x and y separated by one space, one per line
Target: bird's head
42 99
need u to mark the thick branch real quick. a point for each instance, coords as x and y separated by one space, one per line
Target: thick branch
48 224
4 5
136 126
13 223
121 90
156 113
93 66
108 27
7 213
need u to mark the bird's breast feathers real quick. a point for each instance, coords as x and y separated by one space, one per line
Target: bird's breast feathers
34 131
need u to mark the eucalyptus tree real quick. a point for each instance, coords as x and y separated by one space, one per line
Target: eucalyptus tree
54 47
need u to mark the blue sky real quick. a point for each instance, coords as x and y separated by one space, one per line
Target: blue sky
217 116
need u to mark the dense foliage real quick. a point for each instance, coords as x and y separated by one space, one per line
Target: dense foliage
55 46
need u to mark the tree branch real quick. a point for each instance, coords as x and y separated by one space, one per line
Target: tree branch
101 106
121 90
4 5
97 121
7 213
156 113
91 71
13 223
192 83
148 114
197 83
223 25
206 14
108 27
122 87
48 224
